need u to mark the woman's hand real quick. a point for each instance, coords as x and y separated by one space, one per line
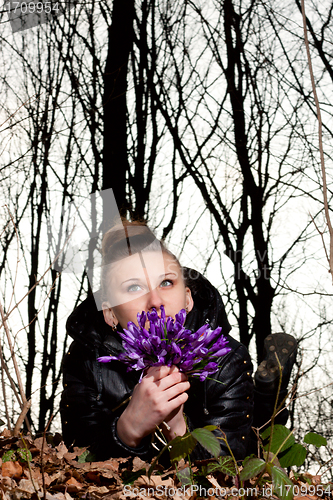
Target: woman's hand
159 397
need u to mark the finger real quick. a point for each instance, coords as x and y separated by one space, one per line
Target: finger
171 379
157 372
176 402
175 390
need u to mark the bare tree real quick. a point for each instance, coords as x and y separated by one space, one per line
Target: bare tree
196 112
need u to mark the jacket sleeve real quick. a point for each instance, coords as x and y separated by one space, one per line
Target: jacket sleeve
87 413
226 402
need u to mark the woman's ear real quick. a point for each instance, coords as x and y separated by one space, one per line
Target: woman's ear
109 316
188 300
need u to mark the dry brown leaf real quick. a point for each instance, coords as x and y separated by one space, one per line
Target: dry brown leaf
139 464
101 490
97 492
6 433
61 496
306 497
58 478
26 486
109 474
154 481
78 451
156 487
61 450
5 495
132 493
73 486
111 465
94 475
7 483
38 442
11 469
70 455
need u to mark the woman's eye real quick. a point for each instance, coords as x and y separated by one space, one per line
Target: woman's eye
134 288
166 283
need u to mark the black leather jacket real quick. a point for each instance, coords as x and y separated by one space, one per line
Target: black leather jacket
95 394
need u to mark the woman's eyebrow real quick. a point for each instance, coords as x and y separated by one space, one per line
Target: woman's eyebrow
167 274
130 279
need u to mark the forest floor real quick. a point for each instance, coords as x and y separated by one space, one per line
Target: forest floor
43 469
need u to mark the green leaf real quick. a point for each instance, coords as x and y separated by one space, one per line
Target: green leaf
9 456
295 455
210 427
184 476
129 477
2 422
182 446
224 464
246 459
86 456
304 479
252 468
207 440
280 433
314 438
24 455
283 486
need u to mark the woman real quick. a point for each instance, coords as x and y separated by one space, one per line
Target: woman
103 406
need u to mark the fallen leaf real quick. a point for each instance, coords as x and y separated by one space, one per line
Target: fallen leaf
12 469
6 433
306 497
97 492
7 483
62 496
94 476
26 486
70 455
139 464
73 486
61 450
38 442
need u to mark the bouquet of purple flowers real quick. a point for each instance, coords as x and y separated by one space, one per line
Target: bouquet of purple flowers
168 342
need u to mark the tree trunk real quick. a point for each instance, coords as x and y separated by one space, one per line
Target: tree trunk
115 154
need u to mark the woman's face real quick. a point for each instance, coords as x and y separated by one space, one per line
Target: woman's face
144 281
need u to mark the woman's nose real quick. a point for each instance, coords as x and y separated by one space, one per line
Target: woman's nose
154 299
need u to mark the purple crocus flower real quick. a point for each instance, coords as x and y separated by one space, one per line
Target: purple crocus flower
168 342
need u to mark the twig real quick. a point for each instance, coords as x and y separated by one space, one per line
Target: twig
22 416
20 108
39 310
40 279
41 456
328 468
4 389
275 405
320 133
30 471
11 381
17 371
18 254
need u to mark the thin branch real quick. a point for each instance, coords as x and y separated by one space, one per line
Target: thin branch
26 408
9 340
320 133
